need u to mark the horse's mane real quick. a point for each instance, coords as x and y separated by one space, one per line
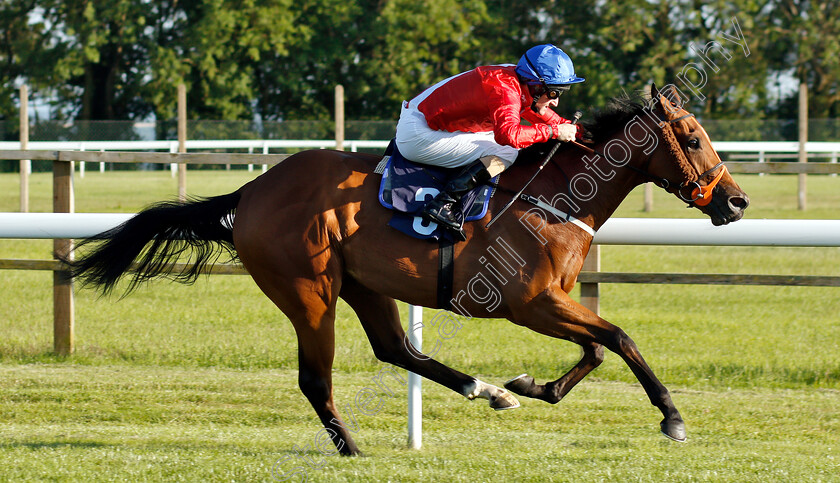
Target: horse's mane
614 116
604 123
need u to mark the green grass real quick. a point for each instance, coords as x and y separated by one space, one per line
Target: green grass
198 383
128 423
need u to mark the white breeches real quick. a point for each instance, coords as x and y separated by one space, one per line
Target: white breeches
419 143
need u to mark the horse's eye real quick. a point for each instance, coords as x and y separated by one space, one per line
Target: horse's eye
694 143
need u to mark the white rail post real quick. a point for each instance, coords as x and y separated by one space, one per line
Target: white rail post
415 398
82 163
173 167
265 151
761 160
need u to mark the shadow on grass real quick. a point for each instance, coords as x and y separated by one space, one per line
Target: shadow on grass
32 355
56 445
746 375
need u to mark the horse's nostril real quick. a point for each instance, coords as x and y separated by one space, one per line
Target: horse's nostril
739 203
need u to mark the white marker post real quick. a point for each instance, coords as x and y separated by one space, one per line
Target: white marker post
415 402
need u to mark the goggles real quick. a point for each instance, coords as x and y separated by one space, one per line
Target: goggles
553 92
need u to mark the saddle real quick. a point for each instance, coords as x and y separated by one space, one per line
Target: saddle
407 186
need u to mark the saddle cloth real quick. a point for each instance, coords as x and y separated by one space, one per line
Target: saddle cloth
407 186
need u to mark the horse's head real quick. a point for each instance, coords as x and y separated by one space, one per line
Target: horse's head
686 164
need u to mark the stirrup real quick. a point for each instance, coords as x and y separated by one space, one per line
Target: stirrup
439 211
449 223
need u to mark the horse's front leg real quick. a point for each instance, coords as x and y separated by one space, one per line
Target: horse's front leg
381 320
555 314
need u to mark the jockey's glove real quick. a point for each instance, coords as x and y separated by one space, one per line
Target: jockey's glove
564 132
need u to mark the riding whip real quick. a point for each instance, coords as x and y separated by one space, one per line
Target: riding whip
577 116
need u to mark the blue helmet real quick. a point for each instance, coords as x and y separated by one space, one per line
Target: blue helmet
547 65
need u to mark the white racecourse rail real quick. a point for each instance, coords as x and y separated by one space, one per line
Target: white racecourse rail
617 231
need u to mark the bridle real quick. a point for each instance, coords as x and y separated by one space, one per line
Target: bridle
700 195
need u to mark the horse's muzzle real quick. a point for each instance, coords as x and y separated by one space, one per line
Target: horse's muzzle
728 205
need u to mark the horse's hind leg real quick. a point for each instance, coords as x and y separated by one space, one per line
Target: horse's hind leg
309 303
381 320
555 314
315 354
553 392
316 350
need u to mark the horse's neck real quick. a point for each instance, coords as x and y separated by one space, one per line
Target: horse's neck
598 187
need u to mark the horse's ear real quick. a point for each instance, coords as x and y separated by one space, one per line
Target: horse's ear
655 99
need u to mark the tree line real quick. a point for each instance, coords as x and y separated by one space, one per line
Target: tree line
281 59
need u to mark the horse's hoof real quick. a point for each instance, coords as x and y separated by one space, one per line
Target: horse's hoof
673 429
521 384
356 453
505 400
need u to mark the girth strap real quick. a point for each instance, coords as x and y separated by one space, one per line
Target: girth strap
446 273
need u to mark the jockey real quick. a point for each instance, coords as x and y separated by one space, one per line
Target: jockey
472 120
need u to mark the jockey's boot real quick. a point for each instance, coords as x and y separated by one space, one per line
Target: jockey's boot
439 210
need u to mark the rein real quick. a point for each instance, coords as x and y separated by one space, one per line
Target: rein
521 191
548 157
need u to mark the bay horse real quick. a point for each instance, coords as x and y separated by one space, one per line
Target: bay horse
311 230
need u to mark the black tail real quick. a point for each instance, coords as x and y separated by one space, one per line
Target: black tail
200 228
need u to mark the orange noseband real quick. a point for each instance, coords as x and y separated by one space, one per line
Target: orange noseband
703 194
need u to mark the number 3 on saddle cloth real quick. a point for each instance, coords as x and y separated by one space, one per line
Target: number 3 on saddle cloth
407 186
